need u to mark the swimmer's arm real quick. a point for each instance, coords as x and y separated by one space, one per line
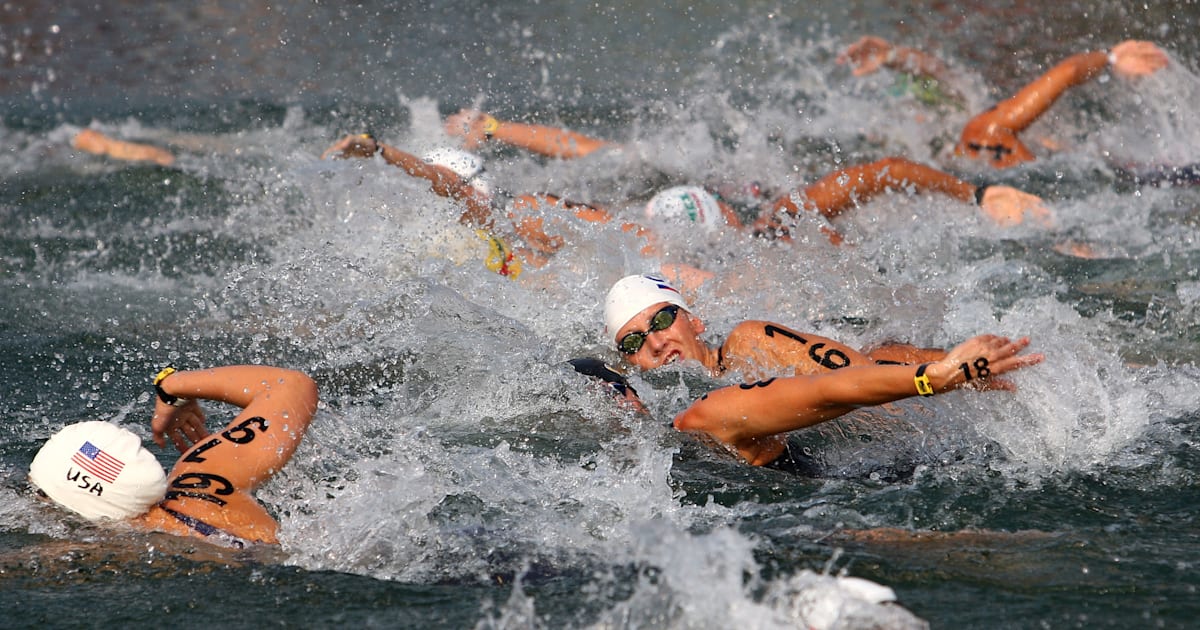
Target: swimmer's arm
1023 108
475 127
257 389
1129 58
278 405
840 190
904 353
442 180
740 414
93 141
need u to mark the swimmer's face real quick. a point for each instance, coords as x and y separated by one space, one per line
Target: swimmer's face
678 341
983 140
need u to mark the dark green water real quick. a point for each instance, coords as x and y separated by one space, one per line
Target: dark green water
459 475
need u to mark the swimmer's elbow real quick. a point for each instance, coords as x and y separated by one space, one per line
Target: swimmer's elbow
302 387
692 420
702 421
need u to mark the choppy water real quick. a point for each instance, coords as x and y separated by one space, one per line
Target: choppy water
459 475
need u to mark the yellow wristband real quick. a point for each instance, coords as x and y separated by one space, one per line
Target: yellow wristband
924 387
490 125
170 399
162 375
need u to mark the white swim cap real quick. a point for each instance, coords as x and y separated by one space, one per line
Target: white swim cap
465 164
634 294
99 470
687 203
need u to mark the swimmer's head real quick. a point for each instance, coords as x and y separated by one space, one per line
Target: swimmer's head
688 204
99 470
984 140
634 294
465 164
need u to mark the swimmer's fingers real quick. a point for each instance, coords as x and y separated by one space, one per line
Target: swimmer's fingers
983 358
192 424
867 55
1136 58
360 145
183 425
468 125
992 385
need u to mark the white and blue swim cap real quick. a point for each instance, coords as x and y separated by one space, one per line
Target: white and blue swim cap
634 294
465 164
99 470
686 203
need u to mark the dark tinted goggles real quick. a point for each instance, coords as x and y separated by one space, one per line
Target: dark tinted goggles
662 320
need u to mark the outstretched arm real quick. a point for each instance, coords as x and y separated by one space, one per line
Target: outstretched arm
993 134
95 142
442 180
277 407
475 127
838 191
745 417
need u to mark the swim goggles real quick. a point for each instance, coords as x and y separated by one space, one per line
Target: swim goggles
662 320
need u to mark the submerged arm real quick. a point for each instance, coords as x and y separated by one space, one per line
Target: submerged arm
993 134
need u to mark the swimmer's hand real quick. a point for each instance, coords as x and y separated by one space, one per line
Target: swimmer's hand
1007 206
866 56
532 231
977 361
359 145
184 425
470 125
1137 58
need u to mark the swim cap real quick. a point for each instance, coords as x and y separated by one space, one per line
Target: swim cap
690 203
634 294
99 470
465 164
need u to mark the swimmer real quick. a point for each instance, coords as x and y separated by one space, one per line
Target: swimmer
102 472
97 143
459 175
830 196
992 135
652 325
